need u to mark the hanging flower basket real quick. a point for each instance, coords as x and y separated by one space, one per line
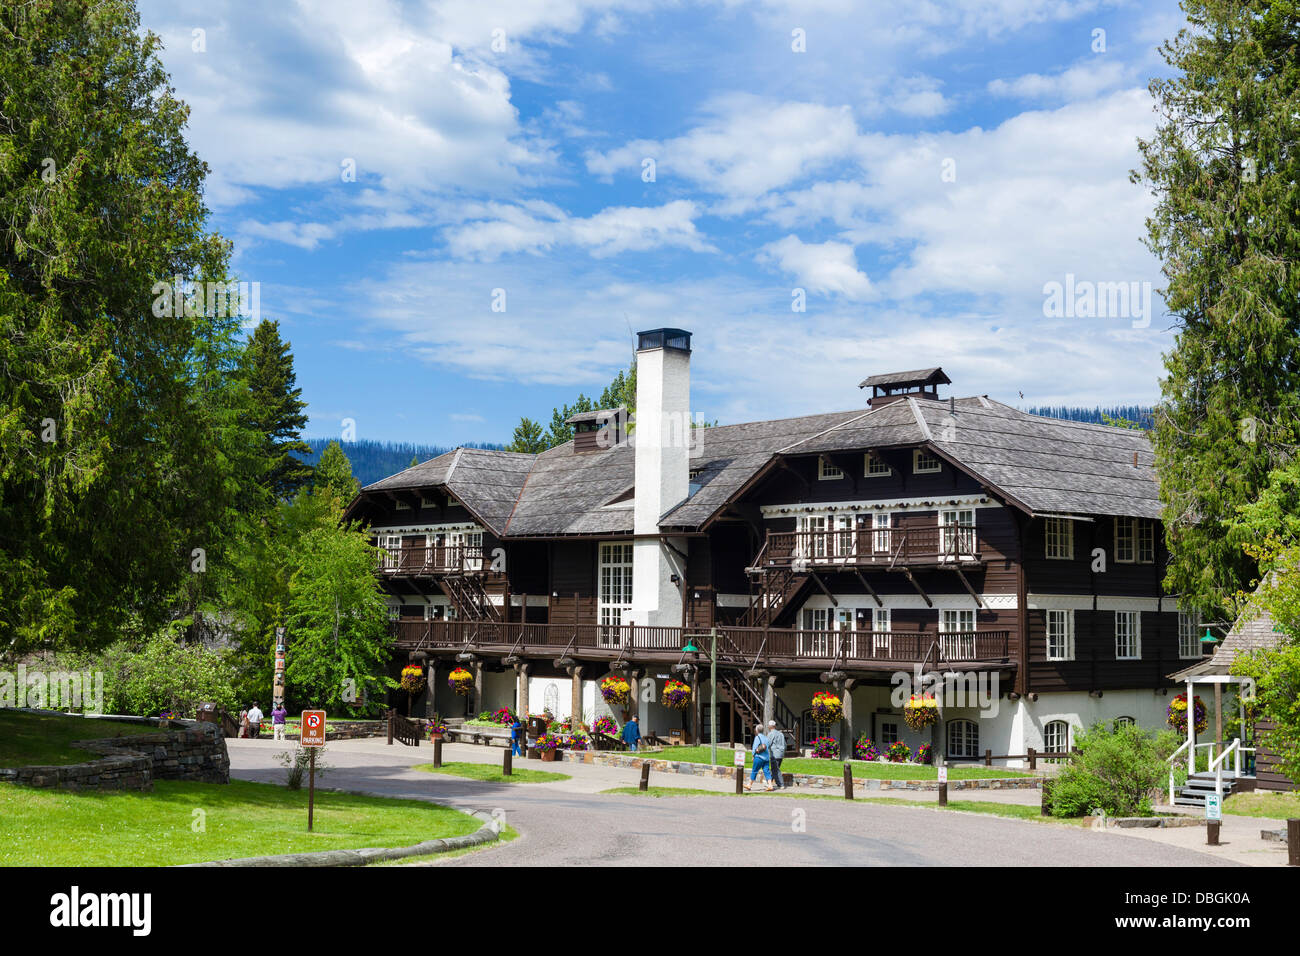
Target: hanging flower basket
921 712
828 748
616 690
1178 714
864 749
413 678
676 695
605 725
826 707
461 681
898 753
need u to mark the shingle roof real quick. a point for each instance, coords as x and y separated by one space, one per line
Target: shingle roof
1045 465
1255 630
919 376
596 415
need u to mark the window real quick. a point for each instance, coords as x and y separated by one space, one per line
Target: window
874 467
881 625
957 635
963 739
816 620
888 735
1128 635
426 503
1135 540
812 542
1125 722
1189 635
392 545
394 612
828 472
1056 739
615 597
957 541
400 505
810 730
924 463
844 537
1060 538
881 540
1060 635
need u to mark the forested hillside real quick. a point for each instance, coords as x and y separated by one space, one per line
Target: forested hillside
372 460
1142 415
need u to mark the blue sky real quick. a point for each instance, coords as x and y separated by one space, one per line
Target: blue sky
921 170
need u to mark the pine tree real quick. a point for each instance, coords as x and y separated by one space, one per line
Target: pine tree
333 477
278 408
528 438
1226 173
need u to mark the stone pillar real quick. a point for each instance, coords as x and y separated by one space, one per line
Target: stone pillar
431 688
522 681
575 672
634 676
769 698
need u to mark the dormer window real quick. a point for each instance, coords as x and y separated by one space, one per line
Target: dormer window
924 463
874 466
828 472
400 505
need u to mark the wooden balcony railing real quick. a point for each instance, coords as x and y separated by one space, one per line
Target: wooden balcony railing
873 547
432 559
737 645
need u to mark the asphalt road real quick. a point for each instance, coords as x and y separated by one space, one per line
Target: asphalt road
567 824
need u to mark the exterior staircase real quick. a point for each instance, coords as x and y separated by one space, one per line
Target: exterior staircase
744 694
777 589
1193 793
468 595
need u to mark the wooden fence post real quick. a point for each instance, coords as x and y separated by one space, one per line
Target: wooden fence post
1033 759
988 758
848 781
1293 842
645 775
390 728
507 762
437 752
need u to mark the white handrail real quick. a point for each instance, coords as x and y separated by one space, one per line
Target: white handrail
1216 765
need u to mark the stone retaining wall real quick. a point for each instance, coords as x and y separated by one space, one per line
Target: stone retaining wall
800 779
187 750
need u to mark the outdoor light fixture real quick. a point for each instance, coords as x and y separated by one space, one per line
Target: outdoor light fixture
690 647
1209 639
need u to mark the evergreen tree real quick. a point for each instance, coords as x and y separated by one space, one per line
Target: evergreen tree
560 431
1226 173
120 439
278 409
334 477
528 438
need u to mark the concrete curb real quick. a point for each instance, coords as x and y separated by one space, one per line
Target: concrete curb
488 833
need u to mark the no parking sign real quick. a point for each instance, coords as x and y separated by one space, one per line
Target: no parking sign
313 728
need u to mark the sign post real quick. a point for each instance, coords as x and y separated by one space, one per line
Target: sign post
312 736
1213 818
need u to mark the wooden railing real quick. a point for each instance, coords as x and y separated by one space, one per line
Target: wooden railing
432 559
403 729
872 547
744 646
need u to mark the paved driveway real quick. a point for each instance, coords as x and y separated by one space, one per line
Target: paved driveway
570 823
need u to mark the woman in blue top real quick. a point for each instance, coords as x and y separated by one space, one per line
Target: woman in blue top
761 756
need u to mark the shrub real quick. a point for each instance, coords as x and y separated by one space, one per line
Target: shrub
296 762
1115 770
826 747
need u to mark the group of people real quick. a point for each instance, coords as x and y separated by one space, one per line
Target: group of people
250 721
768 748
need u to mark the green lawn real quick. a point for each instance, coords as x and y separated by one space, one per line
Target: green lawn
835 768
1273 806
240 819
46 739
491 773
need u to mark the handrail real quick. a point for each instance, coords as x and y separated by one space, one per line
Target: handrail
1216 765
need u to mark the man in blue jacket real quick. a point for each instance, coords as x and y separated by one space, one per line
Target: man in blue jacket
516 731
631 733
776 752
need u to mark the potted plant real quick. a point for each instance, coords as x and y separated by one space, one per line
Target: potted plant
505 716
921 711
864 749
437 728
898 752
546 745
461 681
827 708
412 683
827 748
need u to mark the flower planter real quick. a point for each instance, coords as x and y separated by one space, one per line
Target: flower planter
547 756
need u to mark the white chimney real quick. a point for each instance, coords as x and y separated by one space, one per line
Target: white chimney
662 443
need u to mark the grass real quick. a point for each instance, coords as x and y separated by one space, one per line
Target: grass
491 773
46 739
1272 806
239 819
835 768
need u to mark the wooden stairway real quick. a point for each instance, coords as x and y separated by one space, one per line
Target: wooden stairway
777 588
466 592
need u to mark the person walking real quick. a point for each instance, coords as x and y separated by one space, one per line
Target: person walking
776 752
243 722
631 733
762 758
516 730
278 714
255 721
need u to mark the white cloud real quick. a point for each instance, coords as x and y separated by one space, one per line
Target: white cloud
304 235
827 267
1084 80
537 227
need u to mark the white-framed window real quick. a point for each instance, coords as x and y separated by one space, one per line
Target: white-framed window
1189 635
1124 722
957 634
925 463
813 543
844 539
957 539
1135 540
828 472
394 612
881 624
615 594
392 556
817 643
963 739
426 503
1128 635
1059 535
1060 635
400 505
881 539
1056 739
873 466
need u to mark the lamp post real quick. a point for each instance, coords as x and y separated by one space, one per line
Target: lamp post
690 648
1207 644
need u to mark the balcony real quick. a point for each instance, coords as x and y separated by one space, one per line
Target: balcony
737 646
953 545
429 560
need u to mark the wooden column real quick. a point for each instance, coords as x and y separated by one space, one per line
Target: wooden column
695 735
431 690
846 723
575 673
477 697
521 692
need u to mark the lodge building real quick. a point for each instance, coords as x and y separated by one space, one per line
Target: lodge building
920 534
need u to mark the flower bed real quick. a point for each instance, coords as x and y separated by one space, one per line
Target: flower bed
827 748
864 749
827 708
898 752
923 754
605 725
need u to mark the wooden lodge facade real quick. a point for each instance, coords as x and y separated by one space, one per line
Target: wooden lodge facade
918 535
